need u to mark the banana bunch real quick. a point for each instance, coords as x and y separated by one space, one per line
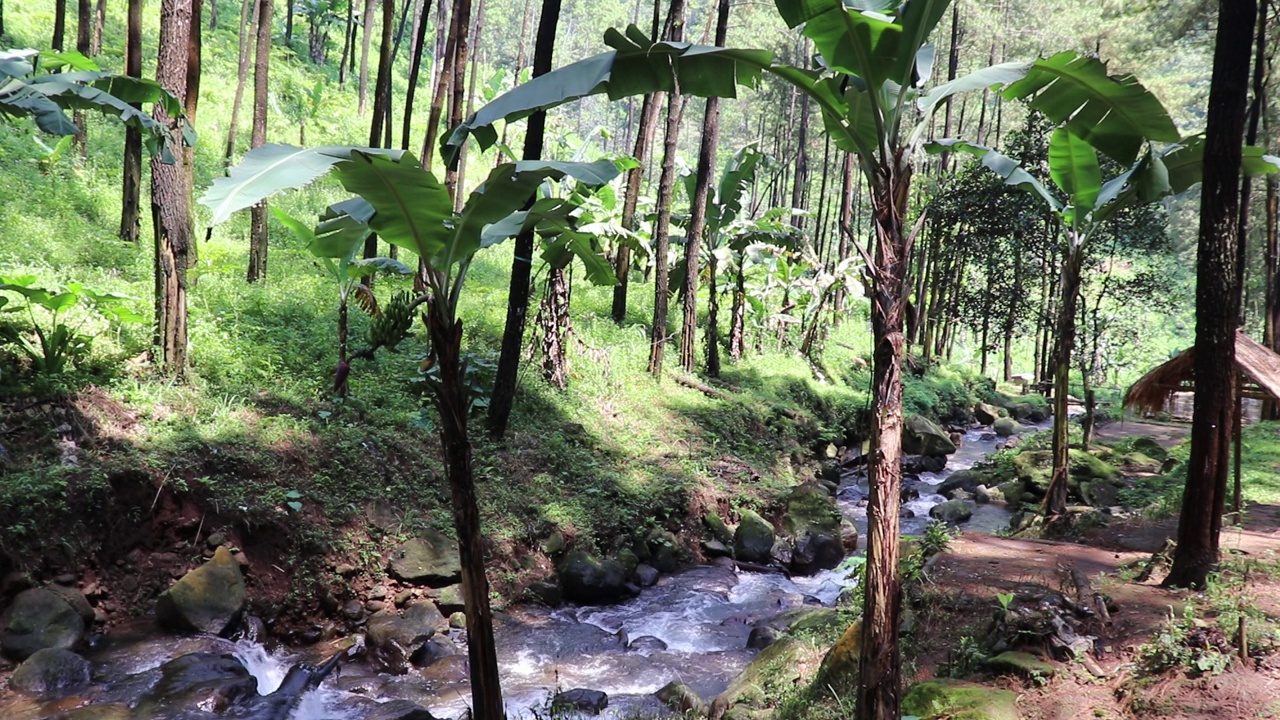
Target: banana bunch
390 324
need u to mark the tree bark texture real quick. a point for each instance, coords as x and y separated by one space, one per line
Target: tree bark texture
131 180
662 234
258 214
1217 301
382 83
880 683
59 25
698 212
415 68
365 40
504 384
553 319
631 199
170 198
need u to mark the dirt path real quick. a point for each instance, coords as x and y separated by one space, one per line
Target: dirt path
1167 434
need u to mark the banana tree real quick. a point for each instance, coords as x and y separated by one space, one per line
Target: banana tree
409 208
1083 204
874 62
79 84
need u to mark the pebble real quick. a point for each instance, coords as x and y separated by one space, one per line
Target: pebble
216 540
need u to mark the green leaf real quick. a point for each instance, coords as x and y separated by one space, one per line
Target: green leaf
918 18
570 244
637 66
270 169
987 77
1116 115
1073 165
369 266
61 61
296 226
1004 166
410 206
342 229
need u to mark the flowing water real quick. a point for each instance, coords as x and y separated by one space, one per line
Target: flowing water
692 626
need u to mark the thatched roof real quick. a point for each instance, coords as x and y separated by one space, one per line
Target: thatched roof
1258 366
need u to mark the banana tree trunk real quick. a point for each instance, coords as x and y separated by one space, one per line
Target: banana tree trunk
452 404
880 683
1055 501
738 313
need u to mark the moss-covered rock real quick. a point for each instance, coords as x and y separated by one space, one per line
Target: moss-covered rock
40 619
681 698
1140 460
431 559
841 660
781 665
663 550
717 527
587 579
959 700
1006 426
51 673
920 436
753 539
1086 466
1149 447
208 599
986 414
1011 490
813 521
1021 663
952 512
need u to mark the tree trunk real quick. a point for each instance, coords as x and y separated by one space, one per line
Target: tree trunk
504 384
476 28
213 13
248 28
1217 301
258 217
845 229
59 25
84 36
131 180
1273 264
99 19
662 232
288 25
382 83
366 38
190 104
415 67
631 199
553 317
453 405
879 683
170 199
348 39
1055 500
738 312
698 212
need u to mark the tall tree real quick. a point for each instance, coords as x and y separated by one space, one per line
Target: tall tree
131 181
698 214
190 104
348 39
504 384
170 196
367 37
382 83
666 194
261 67
415 67
99 19
249 10
59 25
1217 301
84 38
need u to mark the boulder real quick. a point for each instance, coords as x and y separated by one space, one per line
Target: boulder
580 700
715 548
51 674
392 639
681 699
647 575
984 495
841 661
209 599
813 519
959 700
753 539
450 600
544 593
718 529
920 436
431 559
761 637
209 681
848 536
952 512
966 480
663 548
1086 466
396 710
1010 490
39 619
986 414
435 649
1005 427
646 645
587 579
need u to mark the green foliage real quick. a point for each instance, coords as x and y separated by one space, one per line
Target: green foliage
1187 644
48 341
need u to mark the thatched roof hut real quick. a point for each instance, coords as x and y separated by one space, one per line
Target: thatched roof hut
1258 368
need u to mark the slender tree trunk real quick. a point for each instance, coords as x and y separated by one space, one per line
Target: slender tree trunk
662 232
504 384
738 312
288 25
631 199
463 154
382 83
553 318
1217 301
1055 502
131 180
348 39
415 67
248 28
698 219
365 41
258 214
190 105
170 199
213 13
880 683
99 19
84 37
59 25
458 90
1273 265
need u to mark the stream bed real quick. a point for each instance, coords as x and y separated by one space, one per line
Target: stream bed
691 626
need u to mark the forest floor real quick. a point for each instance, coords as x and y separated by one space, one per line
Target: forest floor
1153 650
